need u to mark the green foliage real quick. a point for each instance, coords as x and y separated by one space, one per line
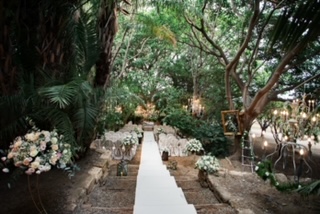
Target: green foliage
310 189
112 121
213 139
264 170
58 96
210 135
180 119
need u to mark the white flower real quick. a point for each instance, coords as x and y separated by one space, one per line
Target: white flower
256 168
194 145
208 163
35 164
3 158
267 173
46 134
32 136
54 140
33 151
5 170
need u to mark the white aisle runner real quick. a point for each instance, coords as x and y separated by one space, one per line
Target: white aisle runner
156 190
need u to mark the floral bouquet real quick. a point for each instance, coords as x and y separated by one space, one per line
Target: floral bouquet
38 151
194 145
208 163
129 140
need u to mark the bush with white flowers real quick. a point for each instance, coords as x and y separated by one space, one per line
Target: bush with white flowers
208 163
194 145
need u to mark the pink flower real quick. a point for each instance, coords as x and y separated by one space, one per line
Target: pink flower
27 161
3 158
59 155
18 163
30 171
42 147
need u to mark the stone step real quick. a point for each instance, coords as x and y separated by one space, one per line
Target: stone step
192 185
195 194
185 178
132 170
158 209
120 183
205 196
215 208
87 209
111 198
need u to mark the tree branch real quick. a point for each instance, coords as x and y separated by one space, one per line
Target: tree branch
245 43
276 75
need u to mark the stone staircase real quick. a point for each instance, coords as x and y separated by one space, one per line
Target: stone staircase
203 199
115 194
150 188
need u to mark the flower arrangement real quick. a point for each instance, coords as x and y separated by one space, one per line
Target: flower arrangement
37 151
129 140
138 132
194 145
208 163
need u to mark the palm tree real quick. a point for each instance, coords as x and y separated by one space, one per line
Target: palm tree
55 53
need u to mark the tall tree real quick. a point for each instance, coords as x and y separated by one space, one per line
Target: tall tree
249 38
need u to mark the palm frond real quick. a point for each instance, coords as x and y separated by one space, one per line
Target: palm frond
59 95
298 23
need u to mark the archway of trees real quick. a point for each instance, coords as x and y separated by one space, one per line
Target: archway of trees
70 64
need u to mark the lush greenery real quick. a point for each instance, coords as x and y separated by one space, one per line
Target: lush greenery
209 134
83 67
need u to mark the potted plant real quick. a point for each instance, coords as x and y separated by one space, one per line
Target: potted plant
194 146
207 165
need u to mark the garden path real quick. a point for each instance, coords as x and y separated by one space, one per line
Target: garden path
157 191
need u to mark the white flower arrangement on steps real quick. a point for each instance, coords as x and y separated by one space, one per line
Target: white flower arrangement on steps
194 146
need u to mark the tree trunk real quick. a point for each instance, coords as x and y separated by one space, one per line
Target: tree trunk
246 120
107 25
